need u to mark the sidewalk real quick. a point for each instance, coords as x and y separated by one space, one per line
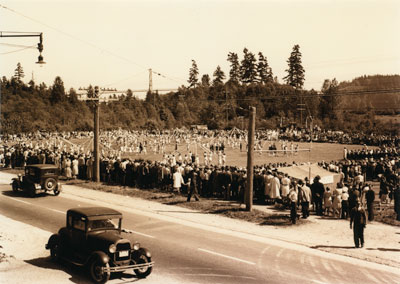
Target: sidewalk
382 242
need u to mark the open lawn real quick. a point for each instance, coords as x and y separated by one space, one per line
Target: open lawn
234 157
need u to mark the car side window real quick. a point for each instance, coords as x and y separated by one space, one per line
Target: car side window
78 224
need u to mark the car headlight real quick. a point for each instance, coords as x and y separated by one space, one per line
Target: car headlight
136 246
112 248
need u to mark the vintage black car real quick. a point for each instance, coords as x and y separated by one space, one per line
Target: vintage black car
38 179
92 238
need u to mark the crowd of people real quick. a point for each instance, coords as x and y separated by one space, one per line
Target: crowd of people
206 178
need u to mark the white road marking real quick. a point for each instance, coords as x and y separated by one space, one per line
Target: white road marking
279 253
370 276
226 256
55 210
221 275
319 282
19 200
144 235
326 265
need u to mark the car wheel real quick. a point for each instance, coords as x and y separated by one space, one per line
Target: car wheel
55 251
50 184
32 191
144 271
56 192
96 271
15 186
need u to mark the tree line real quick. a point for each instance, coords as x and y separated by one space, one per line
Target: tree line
219 103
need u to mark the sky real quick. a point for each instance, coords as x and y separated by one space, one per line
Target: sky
112 44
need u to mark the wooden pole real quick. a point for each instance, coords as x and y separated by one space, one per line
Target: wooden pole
250 156
96 169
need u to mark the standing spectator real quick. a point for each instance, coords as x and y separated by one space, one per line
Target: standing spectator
358 217
275 187
192 183
177 181
327 201
305 197
75 169
370 197
285 185
293 196
345 203
396 197
317 189
337 201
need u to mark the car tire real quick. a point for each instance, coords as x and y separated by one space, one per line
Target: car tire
143 272
56 191
55 251
50 184
15 186
95 271
32 190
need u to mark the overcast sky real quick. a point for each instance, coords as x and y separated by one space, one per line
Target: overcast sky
113 43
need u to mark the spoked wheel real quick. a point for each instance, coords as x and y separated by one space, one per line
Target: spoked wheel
97 273
50 184
143 271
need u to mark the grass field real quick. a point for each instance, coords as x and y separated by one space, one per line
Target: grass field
234 157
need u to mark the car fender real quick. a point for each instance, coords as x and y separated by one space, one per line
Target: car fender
17 180
141 251
99 255
52 240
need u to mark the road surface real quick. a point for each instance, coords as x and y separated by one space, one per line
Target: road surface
198 255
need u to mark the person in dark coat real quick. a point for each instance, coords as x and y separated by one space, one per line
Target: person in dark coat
317 189
358 222
193 183
370 197
396 197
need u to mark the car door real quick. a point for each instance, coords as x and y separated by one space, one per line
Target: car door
78 237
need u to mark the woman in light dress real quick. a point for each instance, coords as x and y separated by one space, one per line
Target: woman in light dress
327 201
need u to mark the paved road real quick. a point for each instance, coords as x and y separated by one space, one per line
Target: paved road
194 255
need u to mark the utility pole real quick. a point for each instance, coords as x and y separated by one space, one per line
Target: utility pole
150 80
96 136
250 155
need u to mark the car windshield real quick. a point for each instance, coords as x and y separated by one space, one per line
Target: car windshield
104 224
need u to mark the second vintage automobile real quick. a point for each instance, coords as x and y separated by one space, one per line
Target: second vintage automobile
92 238
37 179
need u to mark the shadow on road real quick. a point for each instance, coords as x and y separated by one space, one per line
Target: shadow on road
341 247
22 194
77 274
384 249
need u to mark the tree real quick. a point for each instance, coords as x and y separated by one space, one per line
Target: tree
248 69
263 70
19 72
295 77
193 73
57 91
330 101
219 76
205 80
234 73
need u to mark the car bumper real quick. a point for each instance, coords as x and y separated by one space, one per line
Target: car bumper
127 267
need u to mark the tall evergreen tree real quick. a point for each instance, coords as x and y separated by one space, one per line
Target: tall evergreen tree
234 73
295 77
19 72
205 80
57 90
248 68
219 76
193 75
263 70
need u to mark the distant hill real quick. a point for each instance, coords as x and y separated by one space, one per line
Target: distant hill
388 102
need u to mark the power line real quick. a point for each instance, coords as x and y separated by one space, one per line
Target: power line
86 42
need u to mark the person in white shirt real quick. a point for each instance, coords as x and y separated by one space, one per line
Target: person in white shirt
177 181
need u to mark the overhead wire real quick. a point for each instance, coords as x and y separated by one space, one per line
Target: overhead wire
85 42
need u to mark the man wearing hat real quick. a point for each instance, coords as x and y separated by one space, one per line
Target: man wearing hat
359 219
317 189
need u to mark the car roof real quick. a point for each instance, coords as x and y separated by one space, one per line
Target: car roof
93 211
43 166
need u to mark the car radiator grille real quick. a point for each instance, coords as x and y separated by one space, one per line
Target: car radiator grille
123 247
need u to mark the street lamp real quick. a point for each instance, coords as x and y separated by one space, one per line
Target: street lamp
28 34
